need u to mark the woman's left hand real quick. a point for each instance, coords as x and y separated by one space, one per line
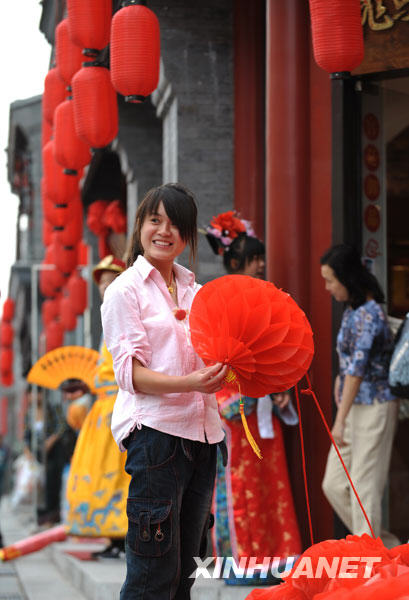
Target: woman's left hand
338 433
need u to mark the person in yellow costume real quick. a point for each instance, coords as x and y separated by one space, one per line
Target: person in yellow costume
98 484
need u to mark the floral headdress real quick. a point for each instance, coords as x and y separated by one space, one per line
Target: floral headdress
225 228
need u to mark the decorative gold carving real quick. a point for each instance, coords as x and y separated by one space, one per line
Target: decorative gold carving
379 17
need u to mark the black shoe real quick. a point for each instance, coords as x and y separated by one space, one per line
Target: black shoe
111 551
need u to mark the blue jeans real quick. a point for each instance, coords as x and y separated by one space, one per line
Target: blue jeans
168 510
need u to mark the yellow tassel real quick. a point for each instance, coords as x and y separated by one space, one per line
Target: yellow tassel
231 378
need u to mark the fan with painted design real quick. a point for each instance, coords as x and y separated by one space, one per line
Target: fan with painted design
66 362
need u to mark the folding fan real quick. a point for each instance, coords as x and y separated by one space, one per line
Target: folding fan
63 363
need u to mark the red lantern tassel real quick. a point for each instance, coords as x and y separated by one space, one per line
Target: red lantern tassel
231 378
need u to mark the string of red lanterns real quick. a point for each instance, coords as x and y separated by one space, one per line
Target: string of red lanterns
6 339
72 127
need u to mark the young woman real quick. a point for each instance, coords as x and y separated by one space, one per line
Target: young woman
253 505
366 410
165 414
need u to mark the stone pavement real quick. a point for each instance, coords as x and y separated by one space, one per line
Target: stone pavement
55 574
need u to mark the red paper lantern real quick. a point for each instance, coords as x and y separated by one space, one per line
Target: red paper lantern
6 334
83 253
8 309
67 315
46 132
6 360
50 310
89 24
54 336
255 328
337 34
65 258
69 55
78 292
71 233
95 217
57 185
61 215
114 217
47 231
7 378
95 106
4 403
51 278
69 150
55 91
135 52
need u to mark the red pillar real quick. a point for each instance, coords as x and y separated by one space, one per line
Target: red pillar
287 147
249 76
298 225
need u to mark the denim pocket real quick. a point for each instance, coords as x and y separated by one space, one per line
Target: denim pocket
149 526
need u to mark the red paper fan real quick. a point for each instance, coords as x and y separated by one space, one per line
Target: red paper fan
255 328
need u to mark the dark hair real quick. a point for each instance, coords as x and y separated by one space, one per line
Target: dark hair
180 206
346 263
242 249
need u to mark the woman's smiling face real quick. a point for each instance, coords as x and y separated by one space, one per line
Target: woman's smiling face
160 238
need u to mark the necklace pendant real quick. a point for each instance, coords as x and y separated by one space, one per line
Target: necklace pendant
170 288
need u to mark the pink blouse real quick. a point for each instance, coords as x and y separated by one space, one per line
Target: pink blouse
139 321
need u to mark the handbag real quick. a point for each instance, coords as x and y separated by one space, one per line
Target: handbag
399 365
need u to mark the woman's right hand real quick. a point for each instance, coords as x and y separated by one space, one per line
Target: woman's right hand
207 380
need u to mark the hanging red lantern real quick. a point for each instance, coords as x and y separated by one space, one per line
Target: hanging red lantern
8 309
95 105
114 217
135 52
46 132
54 336
77 292
83 254
65 258
89 24
67 315
95 216
69 150
337 34
6 360
6 334
61 215
47 231
51 278
56 184
68 55
71 233
51 282
55 91
7 378
4 404
50 310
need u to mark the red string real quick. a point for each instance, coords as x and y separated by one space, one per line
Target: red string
310 392
303 465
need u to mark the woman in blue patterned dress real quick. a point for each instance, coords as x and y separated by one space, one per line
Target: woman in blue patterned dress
366 416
